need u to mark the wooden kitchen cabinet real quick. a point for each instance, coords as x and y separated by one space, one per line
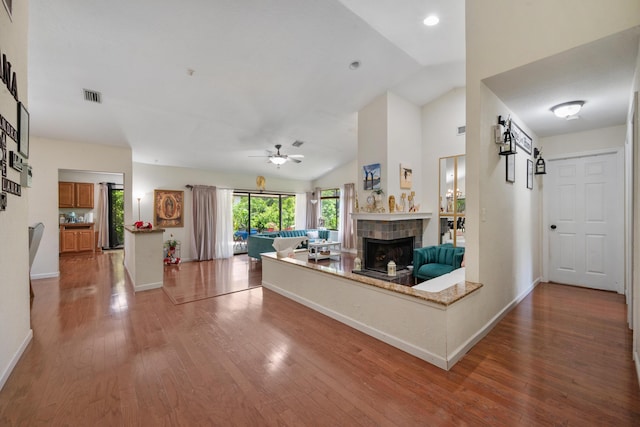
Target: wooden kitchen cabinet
66 194
75 195
78 237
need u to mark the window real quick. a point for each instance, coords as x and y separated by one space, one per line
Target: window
259 212
330 209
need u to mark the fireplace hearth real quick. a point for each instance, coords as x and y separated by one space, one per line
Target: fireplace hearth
378 253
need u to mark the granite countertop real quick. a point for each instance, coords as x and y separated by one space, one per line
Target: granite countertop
445 297
132 229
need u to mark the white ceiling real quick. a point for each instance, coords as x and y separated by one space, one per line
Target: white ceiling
264 73
599 73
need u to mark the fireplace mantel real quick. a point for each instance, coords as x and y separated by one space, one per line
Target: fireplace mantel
401 216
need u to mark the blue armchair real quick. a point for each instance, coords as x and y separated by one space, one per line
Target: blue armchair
434 261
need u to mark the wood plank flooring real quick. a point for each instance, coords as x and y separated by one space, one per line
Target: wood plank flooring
193 281
102 355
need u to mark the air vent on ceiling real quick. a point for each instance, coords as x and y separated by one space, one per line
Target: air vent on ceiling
92 96
462 130
298 143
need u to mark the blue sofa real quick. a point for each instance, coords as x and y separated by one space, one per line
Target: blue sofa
434 261
263 242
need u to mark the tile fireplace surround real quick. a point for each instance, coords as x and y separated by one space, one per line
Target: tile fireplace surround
389 227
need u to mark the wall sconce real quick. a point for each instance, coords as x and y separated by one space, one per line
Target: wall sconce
313 200
507 141
541 166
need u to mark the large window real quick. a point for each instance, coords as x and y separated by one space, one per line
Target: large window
259 212
330 209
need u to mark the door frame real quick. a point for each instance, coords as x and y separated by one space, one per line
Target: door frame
619 160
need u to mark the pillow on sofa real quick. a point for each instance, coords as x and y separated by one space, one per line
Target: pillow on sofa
313 234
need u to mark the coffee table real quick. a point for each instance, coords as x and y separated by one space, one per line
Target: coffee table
323 250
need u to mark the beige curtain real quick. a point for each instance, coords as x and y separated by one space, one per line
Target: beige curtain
347 227
313 209
103 215
204 220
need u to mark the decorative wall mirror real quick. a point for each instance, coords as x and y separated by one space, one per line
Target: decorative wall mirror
452 200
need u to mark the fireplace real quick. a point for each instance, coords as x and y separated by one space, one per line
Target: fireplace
378 253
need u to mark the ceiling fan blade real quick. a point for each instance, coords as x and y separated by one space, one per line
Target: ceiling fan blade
296 156
294 160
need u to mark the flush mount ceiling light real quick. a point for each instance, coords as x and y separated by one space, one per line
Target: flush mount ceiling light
567 110
431 20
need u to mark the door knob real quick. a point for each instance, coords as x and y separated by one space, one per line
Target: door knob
553 227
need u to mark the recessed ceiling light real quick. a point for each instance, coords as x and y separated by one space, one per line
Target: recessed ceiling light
431 20
567 110
354 65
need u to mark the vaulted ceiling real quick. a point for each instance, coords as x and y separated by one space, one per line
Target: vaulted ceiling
211 84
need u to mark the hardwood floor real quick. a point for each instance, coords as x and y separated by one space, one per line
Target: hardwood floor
102 355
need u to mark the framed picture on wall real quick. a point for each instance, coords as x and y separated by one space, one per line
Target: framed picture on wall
405 176
522 139
511 168
529 174
23 130
371 177
168 208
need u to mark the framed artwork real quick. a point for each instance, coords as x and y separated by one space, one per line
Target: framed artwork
405 176
168 208
529 174
371 177
511 168
522 139
23 130
8 4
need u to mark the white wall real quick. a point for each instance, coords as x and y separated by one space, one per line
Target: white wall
48 157
15 326
148 178
503 231
440 121
372 142
345 174
404 146
633 179
594 140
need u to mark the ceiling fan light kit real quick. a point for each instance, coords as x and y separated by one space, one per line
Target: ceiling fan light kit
279 159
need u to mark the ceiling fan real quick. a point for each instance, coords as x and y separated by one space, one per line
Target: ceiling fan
280 159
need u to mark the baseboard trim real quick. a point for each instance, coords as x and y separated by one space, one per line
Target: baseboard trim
45 275
147 286
459 353
16 357
418 352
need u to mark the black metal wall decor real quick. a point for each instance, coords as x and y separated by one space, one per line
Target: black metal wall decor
11 187
9 77
3 153
5 126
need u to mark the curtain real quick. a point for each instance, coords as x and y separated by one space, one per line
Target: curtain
224 224
204 220
103 216
347 227
313 209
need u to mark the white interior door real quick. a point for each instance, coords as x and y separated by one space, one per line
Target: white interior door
586 222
